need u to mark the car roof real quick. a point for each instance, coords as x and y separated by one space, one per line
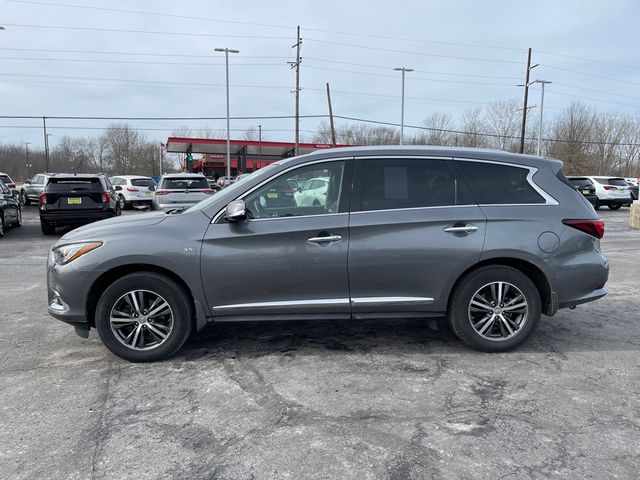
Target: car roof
425 150
130 177
182 175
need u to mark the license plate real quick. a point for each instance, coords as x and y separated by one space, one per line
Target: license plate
148 194
272 194
586 192
74 201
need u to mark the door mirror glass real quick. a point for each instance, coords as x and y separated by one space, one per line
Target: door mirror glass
117 188
236 211
27 182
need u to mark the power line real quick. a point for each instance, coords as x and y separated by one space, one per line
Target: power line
137 62
588 60
84 117
590 74
145 32
406 52
146 54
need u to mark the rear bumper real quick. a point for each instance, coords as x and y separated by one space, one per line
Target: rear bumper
616 201
590 297
75 218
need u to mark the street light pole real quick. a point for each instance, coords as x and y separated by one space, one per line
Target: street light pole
26 146
542 83
403 70
227 51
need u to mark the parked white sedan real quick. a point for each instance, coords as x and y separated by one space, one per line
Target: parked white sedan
312 193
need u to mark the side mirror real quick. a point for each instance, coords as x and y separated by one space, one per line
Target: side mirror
117 188
236 211
27 182
152 188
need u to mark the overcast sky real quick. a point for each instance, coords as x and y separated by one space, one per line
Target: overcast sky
465 54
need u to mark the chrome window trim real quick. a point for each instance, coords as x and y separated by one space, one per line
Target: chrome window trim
286 303
360 212
217 216
374 301
549 200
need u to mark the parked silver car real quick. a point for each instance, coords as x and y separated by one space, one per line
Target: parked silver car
490 239
180 190
32 188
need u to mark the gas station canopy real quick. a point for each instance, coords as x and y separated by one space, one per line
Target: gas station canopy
245 154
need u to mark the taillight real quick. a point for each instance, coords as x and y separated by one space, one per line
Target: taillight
609 187
129 189
163 192
208 192
288 191
594 228
12 185
105 197
43 199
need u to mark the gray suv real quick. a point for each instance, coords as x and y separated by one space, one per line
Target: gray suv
489 239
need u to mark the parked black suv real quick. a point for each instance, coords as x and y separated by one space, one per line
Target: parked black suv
586 188
76 200
10 212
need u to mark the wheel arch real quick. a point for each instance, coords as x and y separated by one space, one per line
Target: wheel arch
107 278
535 274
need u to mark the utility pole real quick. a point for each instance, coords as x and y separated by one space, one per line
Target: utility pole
296 65
403 70
542 83
526 97
333 130
161 158
46 145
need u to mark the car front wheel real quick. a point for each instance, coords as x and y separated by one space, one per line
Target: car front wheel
495 308
143 317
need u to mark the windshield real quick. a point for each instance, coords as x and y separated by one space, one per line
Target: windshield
143 182
234 187
74 184
184 183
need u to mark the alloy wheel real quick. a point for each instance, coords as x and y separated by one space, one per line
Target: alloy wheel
498 311
141 320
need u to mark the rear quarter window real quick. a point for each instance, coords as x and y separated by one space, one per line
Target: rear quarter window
6 178
184 183
496 184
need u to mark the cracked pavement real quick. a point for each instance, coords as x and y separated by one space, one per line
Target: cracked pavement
332 400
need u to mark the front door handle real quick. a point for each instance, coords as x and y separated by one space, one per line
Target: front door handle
461 229
324 239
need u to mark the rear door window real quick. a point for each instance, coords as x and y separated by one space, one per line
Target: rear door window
397 183
496 184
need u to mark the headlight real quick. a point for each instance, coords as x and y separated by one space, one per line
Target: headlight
68 253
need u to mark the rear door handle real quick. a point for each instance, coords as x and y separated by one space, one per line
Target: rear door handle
324 239
461 229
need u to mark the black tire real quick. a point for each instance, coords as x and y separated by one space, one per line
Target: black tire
25 200
155 284
460 308
596 204
47 228
18 222
614 206
1 225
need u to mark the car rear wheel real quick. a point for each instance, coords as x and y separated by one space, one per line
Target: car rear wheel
596 204
615 206
18 222
47 228
24 199
495 308
143 317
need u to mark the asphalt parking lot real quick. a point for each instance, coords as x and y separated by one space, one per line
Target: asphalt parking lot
330 400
